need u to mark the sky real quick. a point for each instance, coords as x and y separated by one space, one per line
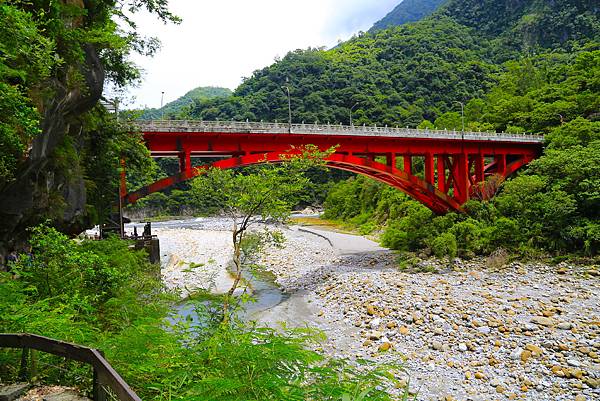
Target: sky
220 42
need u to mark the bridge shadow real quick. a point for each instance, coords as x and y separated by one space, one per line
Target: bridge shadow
360 262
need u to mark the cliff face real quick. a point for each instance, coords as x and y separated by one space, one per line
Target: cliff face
45 188
407 11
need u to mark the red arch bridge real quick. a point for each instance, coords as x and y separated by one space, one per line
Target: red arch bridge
453 166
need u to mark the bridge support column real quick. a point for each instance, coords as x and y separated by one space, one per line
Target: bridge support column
441 173
390 160
479 168
407 164
185 161
501 164
461 178
429 169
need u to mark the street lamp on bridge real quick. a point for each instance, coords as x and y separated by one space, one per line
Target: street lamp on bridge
287 87
462 114
352 108
162 112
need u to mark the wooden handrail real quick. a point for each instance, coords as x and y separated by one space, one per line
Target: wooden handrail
104 374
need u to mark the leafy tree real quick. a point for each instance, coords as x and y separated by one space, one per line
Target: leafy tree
267 193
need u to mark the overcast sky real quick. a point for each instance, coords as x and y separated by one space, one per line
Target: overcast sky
221 41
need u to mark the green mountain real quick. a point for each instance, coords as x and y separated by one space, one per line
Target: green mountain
177 106
405 74
407 11
397 76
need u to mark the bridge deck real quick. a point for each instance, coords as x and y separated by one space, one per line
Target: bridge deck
192 126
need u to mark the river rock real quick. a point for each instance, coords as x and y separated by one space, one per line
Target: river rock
564 326
437 345
385 347
543 321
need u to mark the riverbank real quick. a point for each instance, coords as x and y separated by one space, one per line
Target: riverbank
467 331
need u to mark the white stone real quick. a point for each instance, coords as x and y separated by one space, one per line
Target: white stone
516 354
375 323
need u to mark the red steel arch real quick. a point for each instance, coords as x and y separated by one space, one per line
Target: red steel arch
453 165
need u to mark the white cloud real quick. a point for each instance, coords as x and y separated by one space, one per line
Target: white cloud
219 42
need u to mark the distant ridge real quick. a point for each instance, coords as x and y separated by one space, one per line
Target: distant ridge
407 11
177 106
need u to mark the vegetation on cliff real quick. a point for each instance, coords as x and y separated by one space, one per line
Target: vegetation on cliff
60 150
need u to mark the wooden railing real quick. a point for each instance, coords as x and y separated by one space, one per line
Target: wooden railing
106 379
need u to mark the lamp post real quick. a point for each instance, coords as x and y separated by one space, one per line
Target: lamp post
162 112
287 87
462 114
352 108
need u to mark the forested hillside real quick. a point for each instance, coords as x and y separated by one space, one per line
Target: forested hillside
529 24
554 205
407 11
405 74
397 77
180 105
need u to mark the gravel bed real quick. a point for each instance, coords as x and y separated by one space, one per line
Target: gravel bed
465 330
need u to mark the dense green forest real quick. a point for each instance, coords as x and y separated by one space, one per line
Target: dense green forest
396 77
405 74
552 206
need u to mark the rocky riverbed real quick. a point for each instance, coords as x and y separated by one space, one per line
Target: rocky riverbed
467 331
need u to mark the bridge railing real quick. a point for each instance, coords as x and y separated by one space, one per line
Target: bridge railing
198 126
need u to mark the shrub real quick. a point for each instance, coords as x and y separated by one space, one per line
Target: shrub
395 237
444 245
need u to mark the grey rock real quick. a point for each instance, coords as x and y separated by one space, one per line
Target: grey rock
484 329
68 395
13 391
437 345
516 354
565 326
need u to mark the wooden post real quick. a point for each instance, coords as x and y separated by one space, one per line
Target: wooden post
23 370
122 194
99 393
